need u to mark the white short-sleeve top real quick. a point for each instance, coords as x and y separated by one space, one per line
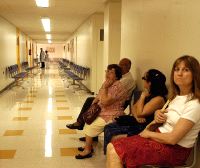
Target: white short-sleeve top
182 107
128 83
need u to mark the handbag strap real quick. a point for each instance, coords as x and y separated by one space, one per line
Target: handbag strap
154 125
165 105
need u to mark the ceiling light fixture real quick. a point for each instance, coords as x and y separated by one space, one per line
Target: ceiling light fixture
46 24
42 3
49 41
48 36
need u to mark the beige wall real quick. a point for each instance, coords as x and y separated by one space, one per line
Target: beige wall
88 50
155 33
8 53
82 48
97 53
58 48
112 29
22 47
7 50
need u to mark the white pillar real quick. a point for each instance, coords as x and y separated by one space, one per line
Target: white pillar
112 32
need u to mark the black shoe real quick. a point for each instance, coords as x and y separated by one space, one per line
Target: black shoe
73 126
82 149
89 155
94 139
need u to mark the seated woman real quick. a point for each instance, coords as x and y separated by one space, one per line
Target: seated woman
151 99
171 143
111 98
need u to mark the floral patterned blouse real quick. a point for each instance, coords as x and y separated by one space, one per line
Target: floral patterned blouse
118 93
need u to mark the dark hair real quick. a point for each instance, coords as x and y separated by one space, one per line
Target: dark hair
118 71
157 79
193 64
126 61
125 65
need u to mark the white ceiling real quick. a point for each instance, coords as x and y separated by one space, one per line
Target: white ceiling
66 16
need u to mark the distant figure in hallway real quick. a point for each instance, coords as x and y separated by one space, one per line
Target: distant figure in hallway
46 59
42 58
127 82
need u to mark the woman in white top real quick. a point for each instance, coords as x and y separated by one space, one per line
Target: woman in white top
171 143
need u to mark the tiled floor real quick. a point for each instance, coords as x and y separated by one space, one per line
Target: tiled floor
32 125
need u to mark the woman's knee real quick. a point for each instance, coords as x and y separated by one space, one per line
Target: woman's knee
110 149
109 128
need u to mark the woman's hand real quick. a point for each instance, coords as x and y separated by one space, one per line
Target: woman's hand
108 83
96 100
160 117
140 119
145 133
145 93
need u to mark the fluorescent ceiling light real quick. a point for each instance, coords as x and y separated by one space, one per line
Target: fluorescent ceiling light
48 36
42 3
46 24
49 41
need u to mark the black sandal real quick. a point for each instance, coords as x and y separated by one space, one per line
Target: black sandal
82 149
89 155
73 126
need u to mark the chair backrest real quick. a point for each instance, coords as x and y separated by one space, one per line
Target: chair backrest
130 100
191 161
134 98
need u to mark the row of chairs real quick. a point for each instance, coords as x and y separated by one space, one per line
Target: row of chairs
79 70
15 73
28 69
18 73
73 71
25 66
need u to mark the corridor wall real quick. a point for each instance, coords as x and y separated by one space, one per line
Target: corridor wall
55 50
155 33
85 48
8 51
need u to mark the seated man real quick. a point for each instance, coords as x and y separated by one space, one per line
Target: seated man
127 82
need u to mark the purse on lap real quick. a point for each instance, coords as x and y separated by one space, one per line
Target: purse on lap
91 114
126 120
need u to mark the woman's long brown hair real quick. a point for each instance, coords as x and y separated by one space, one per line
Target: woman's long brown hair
193 64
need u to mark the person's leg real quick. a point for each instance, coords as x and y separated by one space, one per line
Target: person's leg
113 160
88 149
111 130
136 151
85 107
88 145
118 136
96 139
80 119
79 124
90 131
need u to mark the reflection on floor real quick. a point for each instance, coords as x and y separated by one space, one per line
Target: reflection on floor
32 124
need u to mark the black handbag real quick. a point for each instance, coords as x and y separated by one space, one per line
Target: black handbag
126 120
91 114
